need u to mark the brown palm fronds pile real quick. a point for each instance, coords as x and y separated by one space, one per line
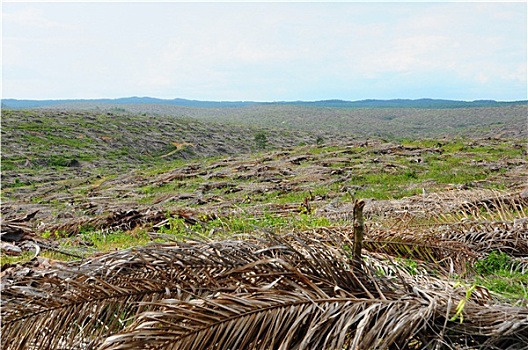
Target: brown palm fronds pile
455 232
117 220
282 292
468 202
113 221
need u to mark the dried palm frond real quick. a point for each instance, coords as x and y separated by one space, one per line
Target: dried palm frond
444 254
274 320
499 327
113 221
451 206
279 320
484 237
54 312
448 255
290 291
465 225
429 314
96 297
498 205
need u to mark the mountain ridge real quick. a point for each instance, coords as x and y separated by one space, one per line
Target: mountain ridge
367 103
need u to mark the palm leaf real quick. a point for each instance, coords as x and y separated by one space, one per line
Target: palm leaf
291 291
274 320
449 256
54 313
309 319
95 298
440 253
485 236
498 327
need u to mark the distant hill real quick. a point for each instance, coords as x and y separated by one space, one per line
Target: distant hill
371 103
407 103
21 104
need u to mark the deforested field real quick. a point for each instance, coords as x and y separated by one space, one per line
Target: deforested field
150 230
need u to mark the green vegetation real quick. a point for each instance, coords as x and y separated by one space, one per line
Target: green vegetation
244 225
104 242
499 273
261 140
53 255
494 262
510 285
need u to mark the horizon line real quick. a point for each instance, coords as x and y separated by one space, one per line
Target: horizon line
255 101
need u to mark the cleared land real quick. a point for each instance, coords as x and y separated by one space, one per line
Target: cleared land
168 230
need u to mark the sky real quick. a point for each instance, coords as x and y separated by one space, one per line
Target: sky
265 51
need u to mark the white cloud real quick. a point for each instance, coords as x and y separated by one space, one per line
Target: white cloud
30 17
262 51
444 41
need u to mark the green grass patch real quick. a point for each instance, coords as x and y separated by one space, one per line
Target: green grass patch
27 256
512 285
498 273
251 225
324 150
107 241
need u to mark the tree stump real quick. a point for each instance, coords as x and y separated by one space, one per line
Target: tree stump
359 230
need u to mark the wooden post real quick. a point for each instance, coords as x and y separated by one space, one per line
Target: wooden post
359 229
